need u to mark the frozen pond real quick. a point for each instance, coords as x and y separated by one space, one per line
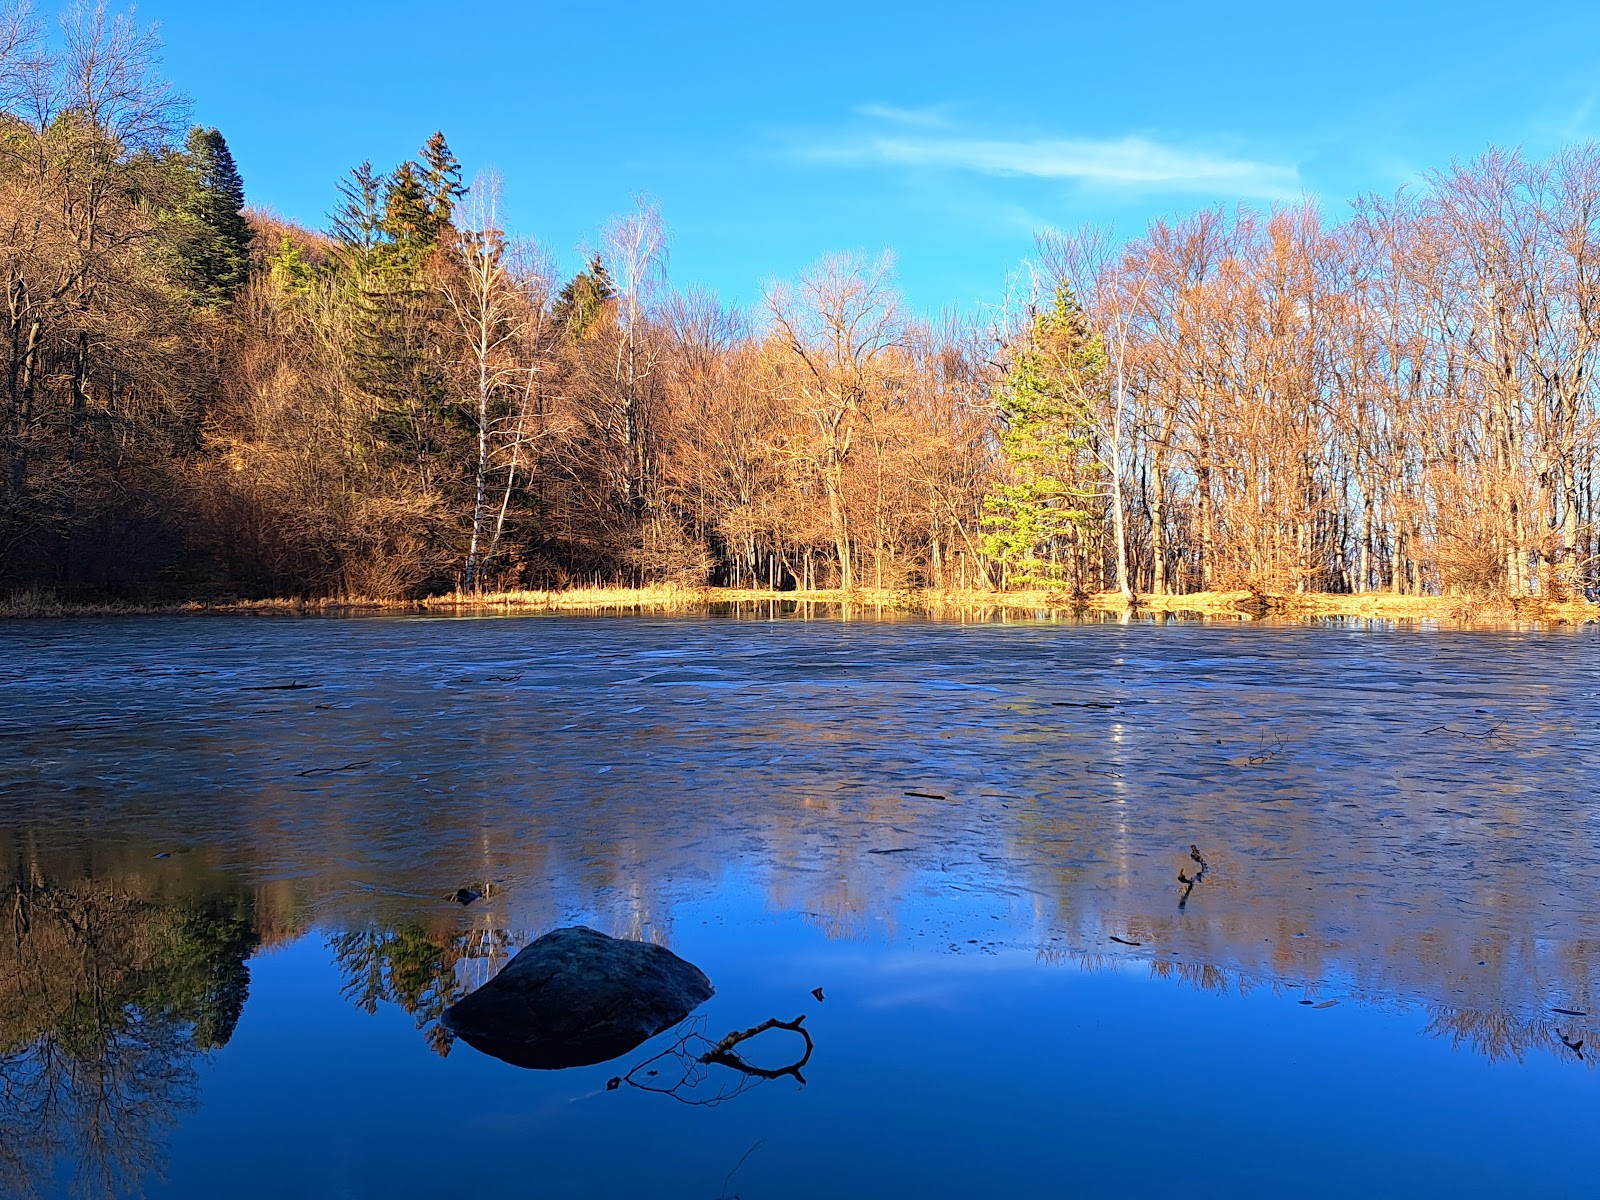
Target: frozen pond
227 844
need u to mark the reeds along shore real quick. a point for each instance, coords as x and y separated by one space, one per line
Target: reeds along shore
946 604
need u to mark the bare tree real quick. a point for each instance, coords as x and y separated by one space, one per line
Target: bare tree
492 318
837 328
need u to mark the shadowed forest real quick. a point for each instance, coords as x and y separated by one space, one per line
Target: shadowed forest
203 401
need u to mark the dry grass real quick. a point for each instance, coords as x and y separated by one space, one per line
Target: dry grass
1456 610
956 605
1239 605
659 599
34 602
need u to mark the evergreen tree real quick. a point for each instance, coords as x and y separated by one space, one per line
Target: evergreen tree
419 202
579 303
289 269
1047 399
441 175
358 221
408 223
211 236
390 229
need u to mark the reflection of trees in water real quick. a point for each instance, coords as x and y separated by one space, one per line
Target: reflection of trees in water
422 971
1505 1037
1485 974
107 997
1500 1034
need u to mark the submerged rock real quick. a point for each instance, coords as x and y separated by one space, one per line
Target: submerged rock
575 997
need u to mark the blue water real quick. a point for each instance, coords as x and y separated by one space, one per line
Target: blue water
229 942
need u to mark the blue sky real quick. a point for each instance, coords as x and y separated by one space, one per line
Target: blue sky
948 133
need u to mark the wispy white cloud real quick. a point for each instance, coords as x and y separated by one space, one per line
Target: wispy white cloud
935 116
1579 123
1135 164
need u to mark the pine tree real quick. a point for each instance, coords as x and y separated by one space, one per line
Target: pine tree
391 228
358 221
1047 399
289 269
578 304
210 233
441 175
419 202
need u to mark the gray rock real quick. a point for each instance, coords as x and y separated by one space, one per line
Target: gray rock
575 997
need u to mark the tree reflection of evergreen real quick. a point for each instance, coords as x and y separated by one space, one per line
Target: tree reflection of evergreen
107 996
111 990
416 968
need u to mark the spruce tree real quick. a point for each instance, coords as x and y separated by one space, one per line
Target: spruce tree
419 202
579 302
358 221
407 226
289 269
441 175
1047 398
210 234
391 228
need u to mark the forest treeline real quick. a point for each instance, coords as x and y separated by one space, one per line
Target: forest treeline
202 400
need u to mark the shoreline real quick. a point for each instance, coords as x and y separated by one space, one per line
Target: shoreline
1460 611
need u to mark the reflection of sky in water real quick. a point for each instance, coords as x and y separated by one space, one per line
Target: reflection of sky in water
934 1075
1398 821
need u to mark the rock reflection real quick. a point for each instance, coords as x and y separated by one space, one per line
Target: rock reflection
108 995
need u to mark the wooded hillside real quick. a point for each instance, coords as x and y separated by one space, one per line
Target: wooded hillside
204 401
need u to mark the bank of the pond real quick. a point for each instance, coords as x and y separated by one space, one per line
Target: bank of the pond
953 604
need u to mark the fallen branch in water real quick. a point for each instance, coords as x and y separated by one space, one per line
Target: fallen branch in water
1466 733
728 1178
687 1079
349 766
722 1053
1263 754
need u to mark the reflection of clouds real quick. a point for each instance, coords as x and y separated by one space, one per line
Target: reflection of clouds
941 994
953 981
